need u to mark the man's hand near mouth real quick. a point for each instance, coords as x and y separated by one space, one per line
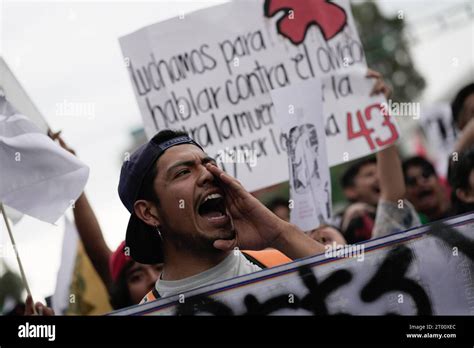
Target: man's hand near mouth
257 227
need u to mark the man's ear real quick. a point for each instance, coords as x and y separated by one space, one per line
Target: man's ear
463 196
147 212
350 193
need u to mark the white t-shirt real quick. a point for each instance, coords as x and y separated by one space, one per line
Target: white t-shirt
234 265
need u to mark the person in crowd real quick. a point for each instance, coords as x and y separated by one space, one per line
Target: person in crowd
375 189
360 182
361 188
327 235
462 182
190 215
280 207
425 189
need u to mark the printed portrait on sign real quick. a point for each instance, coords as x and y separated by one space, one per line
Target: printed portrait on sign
303 153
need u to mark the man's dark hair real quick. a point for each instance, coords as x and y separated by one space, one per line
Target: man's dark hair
147 191
417 161
347 179
277 202
459 179
458 102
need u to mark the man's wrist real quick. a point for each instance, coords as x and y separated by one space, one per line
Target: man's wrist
285 231
294 243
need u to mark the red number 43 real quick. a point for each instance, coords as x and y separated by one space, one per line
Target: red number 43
366 132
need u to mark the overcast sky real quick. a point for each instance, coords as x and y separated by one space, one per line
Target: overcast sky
69 51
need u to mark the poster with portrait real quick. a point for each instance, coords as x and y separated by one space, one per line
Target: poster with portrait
299 112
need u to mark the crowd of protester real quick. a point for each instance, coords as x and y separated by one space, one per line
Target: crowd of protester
222 231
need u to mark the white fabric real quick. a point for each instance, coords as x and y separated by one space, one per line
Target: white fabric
17 96
37 177
60 299
232 266
14 215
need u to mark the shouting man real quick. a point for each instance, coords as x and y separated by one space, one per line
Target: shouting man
193 217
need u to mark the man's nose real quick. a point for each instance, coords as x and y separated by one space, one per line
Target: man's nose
421 181
205 176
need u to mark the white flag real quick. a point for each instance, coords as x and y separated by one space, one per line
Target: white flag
60 300
14 215
37 177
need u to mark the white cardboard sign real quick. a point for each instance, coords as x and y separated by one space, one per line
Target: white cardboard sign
300 115
211 72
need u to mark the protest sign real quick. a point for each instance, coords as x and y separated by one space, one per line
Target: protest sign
427 270
300 116
210 74
357 123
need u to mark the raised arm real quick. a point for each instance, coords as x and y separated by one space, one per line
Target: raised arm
91 236
390 174
389 166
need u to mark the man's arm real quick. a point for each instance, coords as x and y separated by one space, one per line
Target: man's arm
390 216
389 166
91 236
390 174
294 243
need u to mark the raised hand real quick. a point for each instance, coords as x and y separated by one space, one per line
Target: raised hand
257 227
40 308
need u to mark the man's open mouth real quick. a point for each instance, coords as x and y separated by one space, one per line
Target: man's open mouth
213 207
424 194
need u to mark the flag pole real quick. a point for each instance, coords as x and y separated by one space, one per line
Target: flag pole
22 272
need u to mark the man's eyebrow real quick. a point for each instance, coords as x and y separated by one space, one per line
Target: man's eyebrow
208 159
189 163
